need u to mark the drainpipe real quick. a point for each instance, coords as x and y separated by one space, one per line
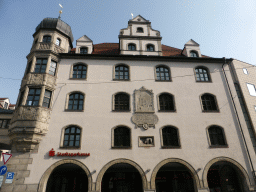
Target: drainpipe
239 122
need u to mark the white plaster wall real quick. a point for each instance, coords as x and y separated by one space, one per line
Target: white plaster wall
134 30
97 119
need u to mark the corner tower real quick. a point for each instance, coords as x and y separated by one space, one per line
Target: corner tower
31 118
139 38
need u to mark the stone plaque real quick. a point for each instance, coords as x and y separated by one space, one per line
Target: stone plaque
144 100
144 109
144 120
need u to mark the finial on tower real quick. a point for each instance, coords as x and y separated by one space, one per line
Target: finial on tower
60 11
132 15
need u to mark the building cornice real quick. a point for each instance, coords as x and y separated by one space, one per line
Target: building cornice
142 58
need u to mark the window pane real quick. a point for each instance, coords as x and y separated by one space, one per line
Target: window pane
72 137
67 130
77 144
73 130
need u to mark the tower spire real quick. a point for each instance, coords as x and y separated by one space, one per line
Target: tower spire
60 11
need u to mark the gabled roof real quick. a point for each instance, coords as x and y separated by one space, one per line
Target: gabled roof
84 38
139 18
192 42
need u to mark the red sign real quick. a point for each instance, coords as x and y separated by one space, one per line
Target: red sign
52 153
6 157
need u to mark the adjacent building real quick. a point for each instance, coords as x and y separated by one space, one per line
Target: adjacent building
129 116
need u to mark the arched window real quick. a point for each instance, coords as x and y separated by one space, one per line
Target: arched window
162 73
170 137
166 102
139 30
202 74
58 41
76 101
72 137
122 137
209 103
122 102
132 47
83 50
216 135
79 71
193 54
121 72
47 39
150 47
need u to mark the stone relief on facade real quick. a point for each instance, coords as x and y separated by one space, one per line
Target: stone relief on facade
144 109
147 141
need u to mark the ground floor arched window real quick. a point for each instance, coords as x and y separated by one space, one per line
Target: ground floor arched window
66 178
122 177
174 177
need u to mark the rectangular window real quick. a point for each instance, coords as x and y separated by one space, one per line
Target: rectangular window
251 89
255 107
245 71
33 97
5 105
47 98
4 123
52 69
21 98
40 65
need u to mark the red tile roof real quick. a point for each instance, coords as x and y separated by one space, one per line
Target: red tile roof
3 98
12 105
113 49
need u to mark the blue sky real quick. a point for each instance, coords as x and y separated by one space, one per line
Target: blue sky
223 28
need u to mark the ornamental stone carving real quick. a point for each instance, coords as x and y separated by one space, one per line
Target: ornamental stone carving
144 109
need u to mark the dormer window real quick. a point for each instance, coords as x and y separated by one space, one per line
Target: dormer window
58 41
139 30
84 50
132 47
47 39
150 47
193 54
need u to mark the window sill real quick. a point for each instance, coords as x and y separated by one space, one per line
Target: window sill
73 110
121 147
75 148
124 111
217 111
167 111
77 78
121 79
163 80
203 81
218 146
171 147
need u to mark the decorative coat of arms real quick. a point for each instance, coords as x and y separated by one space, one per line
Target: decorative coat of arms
144 109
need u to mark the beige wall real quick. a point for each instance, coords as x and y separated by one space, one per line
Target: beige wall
97 119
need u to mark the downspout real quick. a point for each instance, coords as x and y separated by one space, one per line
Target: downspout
237 116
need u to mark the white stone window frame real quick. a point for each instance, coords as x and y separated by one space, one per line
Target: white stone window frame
71 71
58 39
67 101
158 103
208 73
163 65
162 139
209 139
113 101
245 71
47 34
194 51
150 45
114 72
216 102
251 89
63 134
83 47
113 138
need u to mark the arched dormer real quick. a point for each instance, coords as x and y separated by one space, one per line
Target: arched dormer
84 45
140 33
192 49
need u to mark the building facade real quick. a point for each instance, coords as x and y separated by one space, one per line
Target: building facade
129 116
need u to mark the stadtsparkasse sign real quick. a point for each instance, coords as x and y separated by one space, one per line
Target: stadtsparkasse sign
52 153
